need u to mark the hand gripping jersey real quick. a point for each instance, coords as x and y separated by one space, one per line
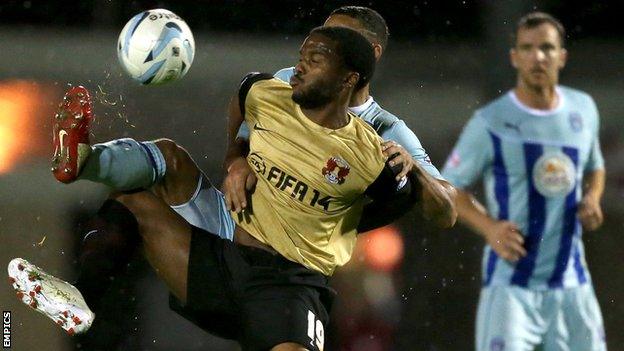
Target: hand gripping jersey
311 179
532 163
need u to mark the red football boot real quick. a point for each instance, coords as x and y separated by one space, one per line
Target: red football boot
71 134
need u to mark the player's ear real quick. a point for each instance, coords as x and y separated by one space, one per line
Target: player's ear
378 50
563 59
513 57
352 79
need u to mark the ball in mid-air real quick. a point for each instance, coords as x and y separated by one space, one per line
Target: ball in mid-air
156 46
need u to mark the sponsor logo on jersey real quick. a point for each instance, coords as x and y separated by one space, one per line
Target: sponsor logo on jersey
554 174
336 170
257 127
514 127
257 163
298 189
576 121
289 184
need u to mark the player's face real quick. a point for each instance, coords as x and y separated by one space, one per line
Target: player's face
319 75
538 56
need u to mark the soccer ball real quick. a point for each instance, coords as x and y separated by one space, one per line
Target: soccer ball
156 46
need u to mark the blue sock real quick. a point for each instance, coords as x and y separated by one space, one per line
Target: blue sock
125 164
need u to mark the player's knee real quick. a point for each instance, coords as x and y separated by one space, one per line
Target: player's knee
176 157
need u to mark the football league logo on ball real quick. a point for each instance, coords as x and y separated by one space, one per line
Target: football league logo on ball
336 170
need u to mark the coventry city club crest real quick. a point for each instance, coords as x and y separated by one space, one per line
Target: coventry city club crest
554 174
336 170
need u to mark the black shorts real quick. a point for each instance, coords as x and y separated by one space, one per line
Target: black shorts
250 295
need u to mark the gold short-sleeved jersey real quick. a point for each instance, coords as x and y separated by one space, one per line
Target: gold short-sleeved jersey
311 180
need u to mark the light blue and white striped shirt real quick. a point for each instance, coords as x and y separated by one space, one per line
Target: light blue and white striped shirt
532 163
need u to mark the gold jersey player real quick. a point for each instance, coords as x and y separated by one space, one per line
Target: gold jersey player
316 164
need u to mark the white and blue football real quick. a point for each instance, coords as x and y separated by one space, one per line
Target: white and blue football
155 47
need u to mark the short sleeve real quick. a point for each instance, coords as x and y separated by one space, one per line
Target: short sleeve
471 154
595 160
245 85
283 74
243 131
401 134
391 199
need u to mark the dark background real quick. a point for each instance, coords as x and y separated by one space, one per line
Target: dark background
429 20
444 59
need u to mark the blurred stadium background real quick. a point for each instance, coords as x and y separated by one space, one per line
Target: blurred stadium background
408 287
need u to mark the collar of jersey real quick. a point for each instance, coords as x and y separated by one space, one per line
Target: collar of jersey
320 128
361 108
535 111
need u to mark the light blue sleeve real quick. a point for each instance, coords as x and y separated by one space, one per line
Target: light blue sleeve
243 131
401 134
595 160
471 155
283 74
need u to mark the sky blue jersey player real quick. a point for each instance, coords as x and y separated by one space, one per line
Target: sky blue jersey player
537 150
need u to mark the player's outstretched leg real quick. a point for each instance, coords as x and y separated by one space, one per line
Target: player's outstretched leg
50 296
71 134
123 164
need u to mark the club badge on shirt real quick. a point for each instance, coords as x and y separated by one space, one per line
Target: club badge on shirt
336 170
554 174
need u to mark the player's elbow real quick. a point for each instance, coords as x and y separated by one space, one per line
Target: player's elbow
443 212
445 219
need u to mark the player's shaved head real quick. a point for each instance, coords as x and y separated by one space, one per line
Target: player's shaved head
353 49
374 25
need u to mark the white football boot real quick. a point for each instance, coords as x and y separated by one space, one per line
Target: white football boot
54 298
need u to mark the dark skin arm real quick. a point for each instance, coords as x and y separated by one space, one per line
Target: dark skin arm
438 196
240 179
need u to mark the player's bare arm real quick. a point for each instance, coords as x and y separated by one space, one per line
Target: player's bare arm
503 236
239 178
438 196
590 211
